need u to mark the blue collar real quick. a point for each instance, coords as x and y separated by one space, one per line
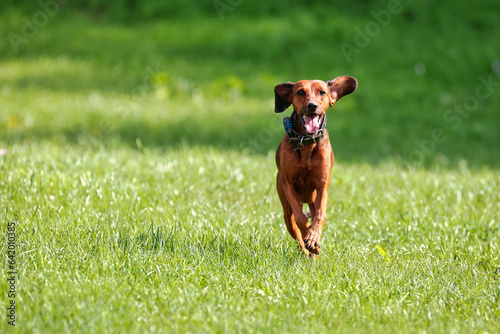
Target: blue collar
302 139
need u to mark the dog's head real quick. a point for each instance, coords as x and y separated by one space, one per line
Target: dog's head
311 98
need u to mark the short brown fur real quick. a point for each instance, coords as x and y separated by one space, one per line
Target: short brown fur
304 172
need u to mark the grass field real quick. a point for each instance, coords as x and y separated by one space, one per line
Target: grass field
139 170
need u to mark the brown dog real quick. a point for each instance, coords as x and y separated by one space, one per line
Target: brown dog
305 157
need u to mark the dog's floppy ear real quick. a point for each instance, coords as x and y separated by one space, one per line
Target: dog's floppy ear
283 96
341 86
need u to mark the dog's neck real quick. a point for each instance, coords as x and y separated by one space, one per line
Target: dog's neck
297 134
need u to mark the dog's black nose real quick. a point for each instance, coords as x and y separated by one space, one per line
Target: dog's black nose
312 106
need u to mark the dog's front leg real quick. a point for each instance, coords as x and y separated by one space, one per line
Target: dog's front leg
296 205
313 236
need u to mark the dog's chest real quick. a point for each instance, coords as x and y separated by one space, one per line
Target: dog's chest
306 186
310 174
307 178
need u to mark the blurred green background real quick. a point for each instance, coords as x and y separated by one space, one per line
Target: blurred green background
161 74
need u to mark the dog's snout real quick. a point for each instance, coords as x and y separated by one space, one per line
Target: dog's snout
311 106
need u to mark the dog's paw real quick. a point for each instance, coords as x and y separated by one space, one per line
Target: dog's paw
312 241
313 256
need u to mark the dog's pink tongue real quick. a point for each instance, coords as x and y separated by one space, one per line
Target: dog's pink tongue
312 124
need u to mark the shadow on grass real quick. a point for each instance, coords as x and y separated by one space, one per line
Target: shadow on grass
355 137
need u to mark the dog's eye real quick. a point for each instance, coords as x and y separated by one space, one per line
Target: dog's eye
322 92
301 92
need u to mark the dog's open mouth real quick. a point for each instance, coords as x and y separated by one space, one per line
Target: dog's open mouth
311 123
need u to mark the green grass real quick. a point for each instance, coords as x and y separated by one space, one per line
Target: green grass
193 240
139 168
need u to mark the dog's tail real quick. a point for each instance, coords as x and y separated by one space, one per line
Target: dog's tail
308 214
